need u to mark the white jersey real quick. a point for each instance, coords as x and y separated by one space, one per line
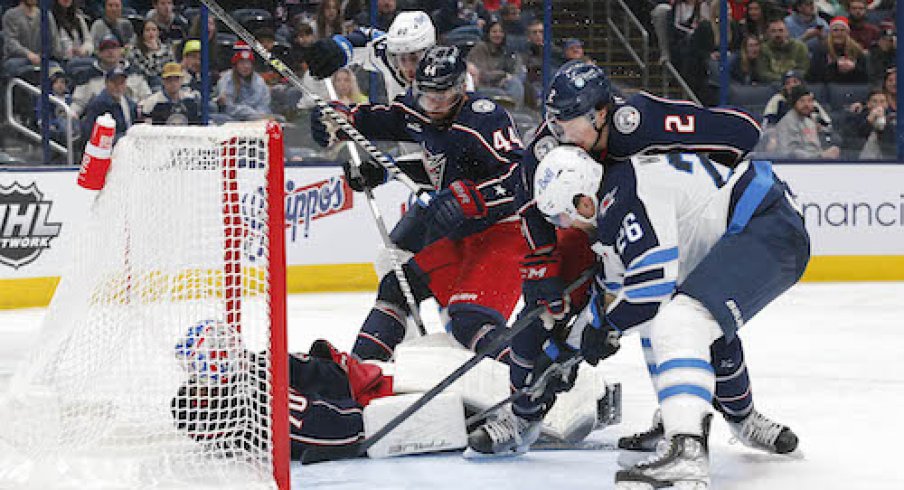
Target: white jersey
659 216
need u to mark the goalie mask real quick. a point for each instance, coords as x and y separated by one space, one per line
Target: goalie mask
439 86
409 37
565 174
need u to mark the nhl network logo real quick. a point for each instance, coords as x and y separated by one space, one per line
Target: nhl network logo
24 227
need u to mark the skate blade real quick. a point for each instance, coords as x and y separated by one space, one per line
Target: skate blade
681 485
473 455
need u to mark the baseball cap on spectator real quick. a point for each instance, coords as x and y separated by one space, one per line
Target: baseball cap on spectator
56 72
572 42
109 41
191 46
840 20
117 71
887 33
791 74
171 69
797 92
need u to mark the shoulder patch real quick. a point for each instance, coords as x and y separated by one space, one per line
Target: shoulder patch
482 106
626 119
543 145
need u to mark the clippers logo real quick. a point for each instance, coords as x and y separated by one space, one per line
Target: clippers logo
314 201
25 229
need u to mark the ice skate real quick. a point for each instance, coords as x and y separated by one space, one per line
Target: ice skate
759 432
682 462
505 435
646 440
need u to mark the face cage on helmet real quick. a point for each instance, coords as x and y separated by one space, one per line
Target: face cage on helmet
397 62
558 131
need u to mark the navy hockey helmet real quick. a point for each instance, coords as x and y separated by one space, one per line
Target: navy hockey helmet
442 68
439 84
577 89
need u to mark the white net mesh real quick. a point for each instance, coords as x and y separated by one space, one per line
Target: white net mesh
153 365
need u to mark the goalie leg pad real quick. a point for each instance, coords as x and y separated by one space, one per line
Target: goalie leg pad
438 426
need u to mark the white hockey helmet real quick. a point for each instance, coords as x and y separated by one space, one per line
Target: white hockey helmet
409 37
565 173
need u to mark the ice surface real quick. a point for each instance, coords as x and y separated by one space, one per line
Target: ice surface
824 359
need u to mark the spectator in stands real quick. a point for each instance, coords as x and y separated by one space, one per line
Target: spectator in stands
113 99
533 62
172 26
778 105
76 42
149 54
796 134
701 64
875 127
59 86
346 86
840 59
864 32
748 67
754 21
882 56
659 17
890 86
267 38
686 15
329 19
113 23
512 23
22 39
194 32
191 64
829 9
243 94
804 25
172 104
92 81
782 54
495 5
499 67
881 5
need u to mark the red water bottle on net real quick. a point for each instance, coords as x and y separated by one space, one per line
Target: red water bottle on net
96 160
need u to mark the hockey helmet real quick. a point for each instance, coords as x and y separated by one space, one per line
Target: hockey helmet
410 35
564 174
577 89
439 83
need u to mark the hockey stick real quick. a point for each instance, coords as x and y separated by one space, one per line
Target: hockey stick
534 389
318 454
381 226
395 172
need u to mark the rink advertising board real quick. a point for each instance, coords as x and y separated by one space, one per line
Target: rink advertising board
855 214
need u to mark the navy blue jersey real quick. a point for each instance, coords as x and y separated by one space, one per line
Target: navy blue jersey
642 125
481 145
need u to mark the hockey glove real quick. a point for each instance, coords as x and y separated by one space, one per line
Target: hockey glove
369 174
562 374
327 55
542 286
452 206
599 340
324 130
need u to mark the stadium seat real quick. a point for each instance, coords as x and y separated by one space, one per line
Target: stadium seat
820 92
842 95
750 96
253 19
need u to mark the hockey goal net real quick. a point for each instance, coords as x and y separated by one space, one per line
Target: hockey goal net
162 358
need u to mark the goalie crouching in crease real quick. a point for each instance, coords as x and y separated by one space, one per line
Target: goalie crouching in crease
226 390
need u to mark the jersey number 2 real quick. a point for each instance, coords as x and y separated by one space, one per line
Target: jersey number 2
680 124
